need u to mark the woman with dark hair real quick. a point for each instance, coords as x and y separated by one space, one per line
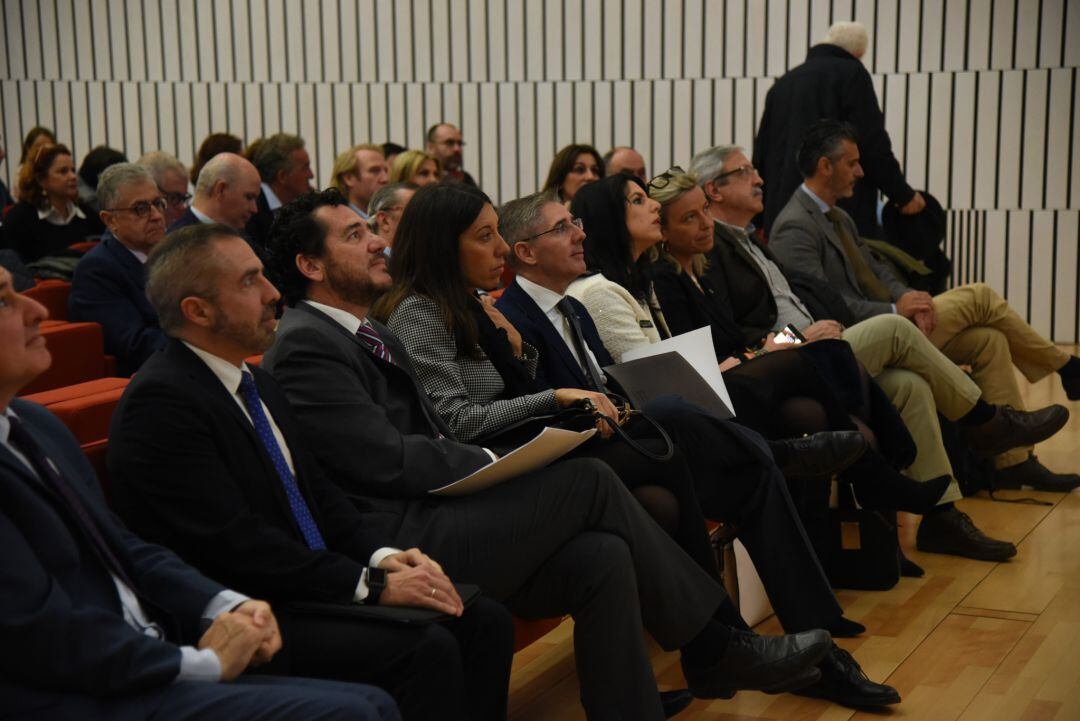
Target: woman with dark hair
574 167
214 144
91 168
38 137
778 395
47 219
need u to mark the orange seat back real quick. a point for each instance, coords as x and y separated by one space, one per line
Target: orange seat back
78 355
53 294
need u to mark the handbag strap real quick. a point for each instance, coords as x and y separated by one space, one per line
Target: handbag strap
617 430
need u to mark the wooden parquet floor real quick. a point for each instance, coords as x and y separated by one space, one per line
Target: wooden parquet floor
970 641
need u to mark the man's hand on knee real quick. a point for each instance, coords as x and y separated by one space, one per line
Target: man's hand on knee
914 301
235 639
423 585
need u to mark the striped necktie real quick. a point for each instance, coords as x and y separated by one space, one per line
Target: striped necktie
374 342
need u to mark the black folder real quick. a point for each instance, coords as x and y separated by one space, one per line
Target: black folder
644 379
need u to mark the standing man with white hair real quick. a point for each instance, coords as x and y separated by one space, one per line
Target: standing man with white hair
833 84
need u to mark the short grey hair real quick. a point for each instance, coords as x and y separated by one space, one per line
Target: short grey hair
271 155
520 219
159 163
184 265
115 178
850 36
708 164
385 197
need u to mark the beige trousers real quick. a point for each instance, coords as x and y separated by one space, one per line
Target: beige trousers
976 327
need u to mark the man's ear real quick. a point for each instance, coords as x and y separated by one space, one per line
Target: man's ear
824 166
523 253
310 268
197 311
106 217
712 192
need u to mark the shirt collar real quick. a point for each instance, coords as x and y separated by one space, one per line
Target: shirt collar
344 318
203 217
5 425
544 297
271 197
54 216
356 209
821 204
741 232
226 372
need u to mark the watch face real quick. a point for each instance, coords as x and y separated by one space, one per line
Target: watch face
376 576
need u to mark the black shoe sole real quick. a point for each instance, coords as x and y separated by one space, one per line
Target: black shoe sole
855 702
995 557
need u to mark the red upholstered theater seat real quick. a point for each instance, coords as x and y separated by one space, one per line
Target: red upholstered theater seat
78 355
86 408
53 294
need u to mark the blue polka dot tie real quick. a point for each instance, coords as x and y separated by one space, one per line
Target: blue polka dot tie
299 507
374 342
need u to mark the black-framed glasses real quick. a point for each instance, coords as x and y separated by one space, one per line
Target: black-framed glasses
560 228
743 172
664 179
142 208
177 200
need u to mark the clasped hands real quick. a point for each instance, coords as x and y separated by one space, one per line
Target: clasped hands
919 307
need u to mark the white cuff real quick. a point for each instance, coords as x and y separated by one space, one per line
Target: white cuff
376 558
199 665
225 601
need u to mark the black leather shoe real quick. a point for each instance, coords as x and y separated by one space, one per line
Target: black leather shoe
1033 474
891 490
908 568
953 532
820 455
675 701
845 628
844 682
774 664
1010 428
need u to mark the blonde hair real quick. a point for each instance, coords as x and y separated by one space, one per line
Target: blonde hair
850 36
665 193
408 164
345 163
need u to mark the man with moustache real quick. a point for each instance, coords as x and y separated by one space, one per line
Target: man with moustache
445 143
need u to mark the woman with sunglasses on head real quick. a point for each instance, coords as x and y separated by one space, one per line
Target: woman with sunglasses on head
47 219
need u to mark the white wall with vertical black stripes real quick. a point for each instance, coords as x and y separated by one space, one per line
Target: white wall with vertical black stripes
979 95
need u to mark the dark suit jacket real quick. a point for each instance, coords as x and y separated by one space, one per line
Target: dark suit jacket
832 83
687 308
188 218
188 469
61 620
258 227
557 367
109 287
376 432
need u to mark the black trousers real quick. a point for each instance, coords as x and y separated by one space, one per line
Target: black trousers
571 539
455 669
737 481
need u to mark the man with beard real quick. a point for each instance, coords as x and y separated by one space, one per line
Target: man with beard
445 143
206 457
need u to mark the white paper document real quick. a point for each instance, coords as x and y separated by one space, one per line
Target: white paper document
697 348
550 445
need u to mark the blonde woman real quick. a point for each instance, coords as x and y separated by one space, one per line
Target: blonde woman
416 167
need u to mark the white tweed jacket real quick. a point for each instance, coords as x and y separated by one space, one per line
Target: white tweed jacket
624 323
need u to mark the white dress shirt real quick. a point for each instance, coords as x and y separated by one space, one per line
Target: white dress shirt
195 664
230 377
52 215
272 200
547 300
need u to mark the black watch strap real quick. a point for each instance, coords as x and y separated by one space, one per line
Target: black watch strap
376 583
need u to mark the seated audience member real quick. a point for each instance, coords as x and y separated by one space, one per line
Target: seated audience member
565 539
358 173
416 167
445 144
392 150
214 144
108 626
623 159
38 137
205 456
750 287
6 198
573 167
386 207
109 286
95 162
47 219
449 246
171 178
285 170
972 324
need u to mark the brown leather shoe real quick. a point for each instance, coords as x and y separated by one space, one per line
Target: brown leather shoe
1010 428
953 532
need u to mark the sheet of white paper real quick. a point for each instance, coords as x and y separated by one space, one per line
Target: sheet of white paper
697 348
551 444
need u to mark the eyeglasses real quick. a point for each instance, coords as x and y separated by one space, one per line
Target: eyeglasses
664 179
391 208
177 200
452 143
142 208
561 228
743 172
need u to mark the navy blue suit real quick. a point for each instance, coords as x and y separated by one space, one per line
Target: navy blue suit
109 287
188 218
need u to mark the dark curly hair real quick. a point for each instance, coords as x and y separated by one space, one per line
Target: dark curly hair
296 231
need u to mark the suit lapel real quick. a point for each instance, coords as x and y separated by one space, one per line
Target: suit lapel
127 261
723 235
826 227
553 341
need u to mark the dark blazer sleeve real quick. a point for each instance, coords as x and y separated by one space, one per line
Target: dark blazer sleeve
531 335
875 146
169 470
684 310
358 444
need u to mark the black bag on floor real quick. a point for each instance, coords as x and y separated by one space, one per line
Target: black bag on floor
861 549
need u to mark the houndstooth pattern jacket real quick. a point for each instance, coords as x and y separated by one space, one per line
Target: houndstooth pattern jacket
465 391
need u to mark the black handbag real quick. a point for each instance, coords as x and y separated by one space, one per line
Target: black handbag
861 550
580 416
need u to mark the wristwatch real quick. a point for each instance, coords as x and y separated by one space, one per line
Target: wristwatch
376 583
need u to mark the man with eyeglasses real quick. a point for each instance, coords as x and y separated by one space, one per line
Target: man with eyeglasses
172 180
445 143
386 208
109 286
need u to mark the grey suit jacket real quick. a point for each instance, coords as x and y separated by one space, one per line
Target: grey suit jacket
369 423
803 238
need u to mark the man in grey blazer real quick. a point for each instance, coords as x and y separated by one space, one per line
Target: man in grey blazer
972 325
566 539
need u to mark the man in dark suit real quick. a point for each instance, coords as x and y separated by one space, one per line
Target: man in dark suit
445 143
546 253
205 456
566 539
285 171
832 83
99 624
109 286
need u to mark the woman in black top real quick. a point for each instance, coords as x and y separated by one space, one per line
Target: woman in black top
47 220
